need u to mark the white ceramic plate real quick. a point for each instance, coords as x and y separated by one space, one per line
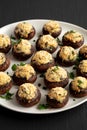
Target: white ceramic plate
12 104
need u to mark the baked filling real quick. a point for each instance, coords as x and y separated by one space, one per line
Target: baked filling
58 94
83 66
52 26
27 91
24 29
4 79
23 46
73 36
42 57
4 40
79 83
2 58
67 53
25 71
47 41
56 74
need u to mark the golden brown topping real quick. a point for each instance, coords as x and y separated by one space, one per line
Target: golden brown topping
73 36
23 46
27 91
24 29
58 94
25 71
4 40
52 26
79 83
83 66
42 57
55 74
68 53
2 58
47 41
4 79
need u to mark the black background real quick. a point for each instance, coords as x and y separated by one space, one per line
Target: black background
72 11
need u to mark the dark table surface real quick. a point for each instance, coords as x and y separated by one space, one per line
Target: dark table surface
72 11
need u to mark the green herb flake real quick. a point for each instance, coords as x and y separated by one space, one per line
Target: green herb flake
72 31
74 99
22 64
7 96
14 67
71 75
59 42
15 41
79 83
56 68
42 106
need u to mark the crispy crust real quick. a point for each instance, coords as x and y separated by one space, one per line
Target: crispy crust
21 56
79 73
5 88
30 35
50 85
38 47
76 45
6 49
82 93
63 62
28 103
55 104
55 34
19 81
43 67
5 65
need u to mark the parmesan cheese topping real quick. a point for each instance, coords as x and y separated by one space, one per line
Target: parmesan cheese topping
4 79
79 83
55 74
73 36
52 26
58 94
2 58
83 50
42 57
68 53
25 71
27 91
24 46
24 29
83 66
47 41
4 40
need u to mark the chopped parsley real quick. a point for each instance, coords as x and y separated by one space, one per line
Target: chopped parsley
74 99
15 41
55 68
7 96
72 31
14 67
71 75
79 83
42 106
22 64
59 42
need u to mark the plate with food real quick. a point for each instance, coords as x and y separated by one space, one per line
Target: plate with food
43 66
